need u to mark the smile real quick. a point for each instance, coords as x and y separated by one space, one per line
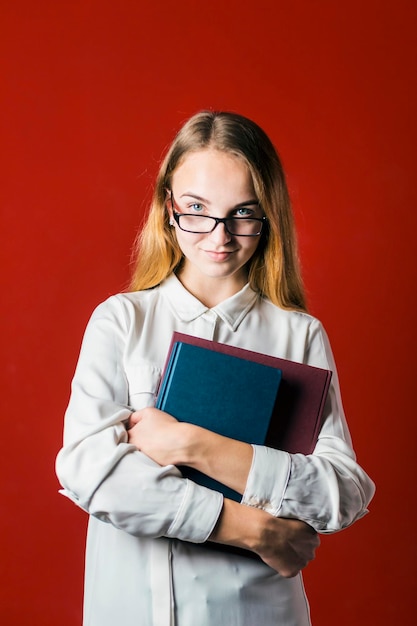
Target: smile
219 256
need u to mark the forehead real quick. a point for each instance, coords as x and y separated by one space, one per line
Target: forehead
209 171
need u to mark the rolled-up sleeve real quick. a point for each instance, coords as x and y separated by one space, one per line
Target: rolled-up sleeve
327 489
97 467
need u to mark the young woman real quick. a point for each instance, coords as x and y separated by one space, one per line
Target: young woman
216 259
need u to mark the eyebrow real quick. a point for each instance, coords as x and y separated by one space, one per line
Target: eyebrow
194 196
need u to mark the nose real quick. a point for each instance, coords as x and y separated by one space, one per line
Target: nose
220 234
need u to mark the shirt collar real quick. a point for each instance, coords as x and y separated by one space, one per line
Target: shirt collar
188 308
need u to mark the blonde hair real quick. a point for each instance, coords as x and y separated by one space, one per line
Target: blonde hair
274 270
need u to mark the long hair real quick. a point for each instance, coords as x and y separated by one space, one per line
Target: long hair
274 270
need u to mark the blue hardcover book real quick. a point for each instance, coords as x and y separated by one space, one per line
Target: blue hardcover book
227 394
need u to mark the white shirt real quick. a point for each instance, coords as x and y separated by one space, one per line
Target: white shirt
144 564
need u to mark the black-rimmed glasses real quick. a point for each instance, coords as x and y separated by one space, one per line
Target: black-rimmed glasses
204 224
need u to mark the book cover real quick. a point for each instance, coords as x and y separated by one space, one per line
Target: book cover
231 396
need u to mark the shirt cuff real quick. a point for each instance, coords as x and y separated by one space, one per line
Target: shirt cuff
197 515
268 479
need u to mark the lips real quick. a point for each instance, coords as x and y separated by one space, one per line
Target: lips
219 256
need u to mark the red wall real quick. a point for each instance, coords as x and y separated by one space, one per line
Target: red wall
92 92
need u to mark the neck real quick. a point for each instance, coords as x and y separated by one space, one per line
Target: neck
211 291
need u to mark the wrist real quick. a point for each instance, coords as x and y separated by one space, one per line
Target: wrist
190 444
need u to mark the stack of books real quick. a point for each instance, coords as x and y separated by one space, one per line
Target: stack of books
244 395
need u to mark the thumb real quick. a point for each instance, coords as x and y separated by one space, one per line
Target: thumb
133 419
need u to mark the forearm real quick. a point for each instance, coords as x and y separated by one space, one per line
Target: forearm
226 460
169 442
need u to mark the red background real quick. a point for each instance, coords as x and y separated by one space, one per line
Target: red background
92 92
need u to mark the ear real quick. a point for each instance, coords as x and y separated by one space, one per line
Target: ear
168 206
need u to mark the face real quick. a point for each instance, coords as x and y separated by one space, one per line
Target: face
216 184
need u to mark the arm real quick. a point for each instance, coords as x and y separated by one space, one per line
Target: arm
99 469
327 489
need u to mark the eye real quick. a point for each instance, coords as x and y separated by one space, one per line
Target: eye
196 207
244 211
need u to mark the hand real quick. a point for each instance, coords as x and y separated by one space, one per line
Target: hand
288 545
285 545
159 435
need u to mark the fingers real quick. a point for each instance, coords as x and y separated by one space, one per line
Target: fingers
289 546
